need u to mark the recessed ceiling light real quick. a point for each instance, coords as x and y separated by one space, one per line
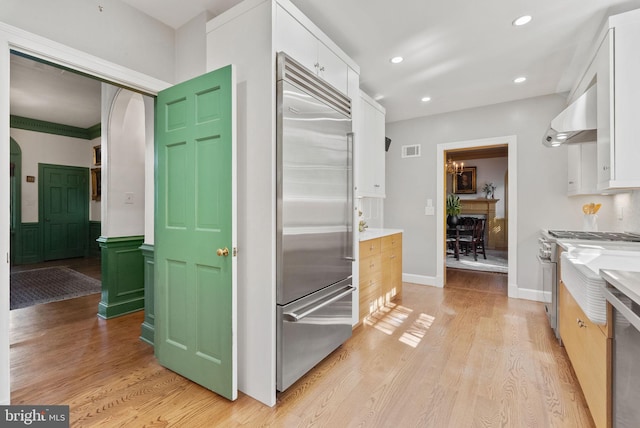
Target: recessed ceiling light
523 20
396 59
425 99
561 136
519 79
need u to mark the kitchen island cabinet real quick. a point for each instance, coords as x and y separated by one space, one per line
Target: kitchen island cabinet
589 348
380 270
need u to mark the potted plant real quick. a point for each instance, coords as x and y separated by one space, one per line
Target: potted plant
454 207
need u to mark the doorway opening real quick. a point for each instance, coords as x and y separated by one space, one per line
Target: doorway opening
476 186
55 118
489 166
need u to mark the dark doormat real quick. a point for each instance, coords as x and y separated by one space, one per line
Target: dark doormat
33 287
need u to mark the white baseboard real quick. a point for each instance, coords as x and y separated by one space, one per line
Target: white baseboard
529 294
513 292
433 281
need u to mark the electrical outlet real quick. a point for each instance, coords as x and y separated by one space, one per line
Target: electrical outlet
429 211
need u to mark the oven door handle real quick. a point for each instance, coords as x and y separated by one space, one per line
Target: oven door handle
610 295
294 317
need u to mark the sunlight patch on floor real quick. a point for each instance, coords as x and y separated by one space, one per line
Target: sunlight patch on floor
388 317
416 332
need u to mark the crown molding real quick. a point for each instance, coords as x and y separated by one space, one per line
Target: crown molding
36 125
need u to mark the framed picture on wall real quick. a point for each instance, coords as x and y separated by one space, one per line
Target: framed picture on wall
465 182
97 155
96 184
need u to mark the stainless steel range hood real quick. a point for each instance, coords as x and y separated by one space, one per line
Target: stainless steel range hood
575 124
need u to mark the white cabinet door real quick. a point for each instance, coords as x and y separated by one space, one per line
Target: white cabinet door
604 91
295 40
371 162
625 147
573 168
332 69
582 169
618 86
299 43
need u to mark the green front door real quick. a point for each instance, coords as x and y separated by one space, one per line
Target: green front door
64 205
195 286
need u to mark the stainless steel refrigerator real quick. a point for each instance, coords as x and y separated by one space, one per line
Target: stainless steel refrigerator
314 220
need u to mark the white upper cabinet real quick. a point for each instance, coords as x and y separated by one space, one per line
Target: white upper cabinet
297 41
370 143
615 70
581 171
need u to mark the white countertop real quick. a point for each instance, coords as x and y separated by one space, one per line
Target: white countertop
377 233
627 282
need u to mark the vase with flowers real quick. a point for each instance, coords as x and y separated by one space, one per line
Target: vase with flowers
489 189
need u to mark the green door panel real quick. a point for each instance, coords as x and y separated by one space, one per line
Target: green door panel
64 199
195 297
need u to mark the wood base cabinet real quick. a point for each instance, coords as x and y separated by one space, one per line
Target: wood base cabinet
380 272
589 348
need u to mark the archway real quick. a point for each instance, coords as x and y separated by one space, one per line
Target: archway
15 198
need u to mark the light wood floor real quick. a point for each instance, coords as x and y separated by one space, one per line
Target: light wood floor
463 356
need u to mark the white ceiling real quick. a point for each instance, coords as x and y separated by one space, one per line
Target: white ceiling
40 91
461 53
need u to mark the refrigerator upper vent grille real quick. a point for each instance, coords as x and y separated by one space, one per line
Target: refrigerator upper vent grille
411 151
294 72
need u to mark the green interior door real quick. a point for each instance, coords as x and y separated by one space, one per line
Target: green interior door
64 204
195 288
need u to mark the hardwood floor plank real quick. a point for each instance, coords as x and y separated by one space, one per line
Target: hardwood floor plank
465 355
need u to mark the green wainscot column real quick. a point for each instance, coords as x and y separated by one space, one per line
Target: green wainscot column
122 276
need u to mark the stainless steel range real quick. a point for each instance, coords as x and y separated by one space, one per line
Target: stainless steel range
549 262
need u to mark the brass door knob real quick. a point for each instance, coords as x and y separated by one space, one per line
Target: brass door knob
223 252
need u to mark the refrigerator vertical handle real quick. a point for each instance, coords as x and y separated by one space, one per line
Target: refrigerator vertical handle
351 196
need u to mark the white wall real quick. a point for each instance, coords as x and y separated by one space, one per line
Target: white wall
119 33
38 147
123 163
191 48
372 211
627 206
541 172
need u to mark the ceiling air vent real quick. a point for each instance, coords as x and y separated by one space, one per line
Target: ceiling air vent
411 151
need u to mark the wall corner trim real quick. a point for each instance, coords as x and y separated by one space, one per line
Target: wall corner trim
122 276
